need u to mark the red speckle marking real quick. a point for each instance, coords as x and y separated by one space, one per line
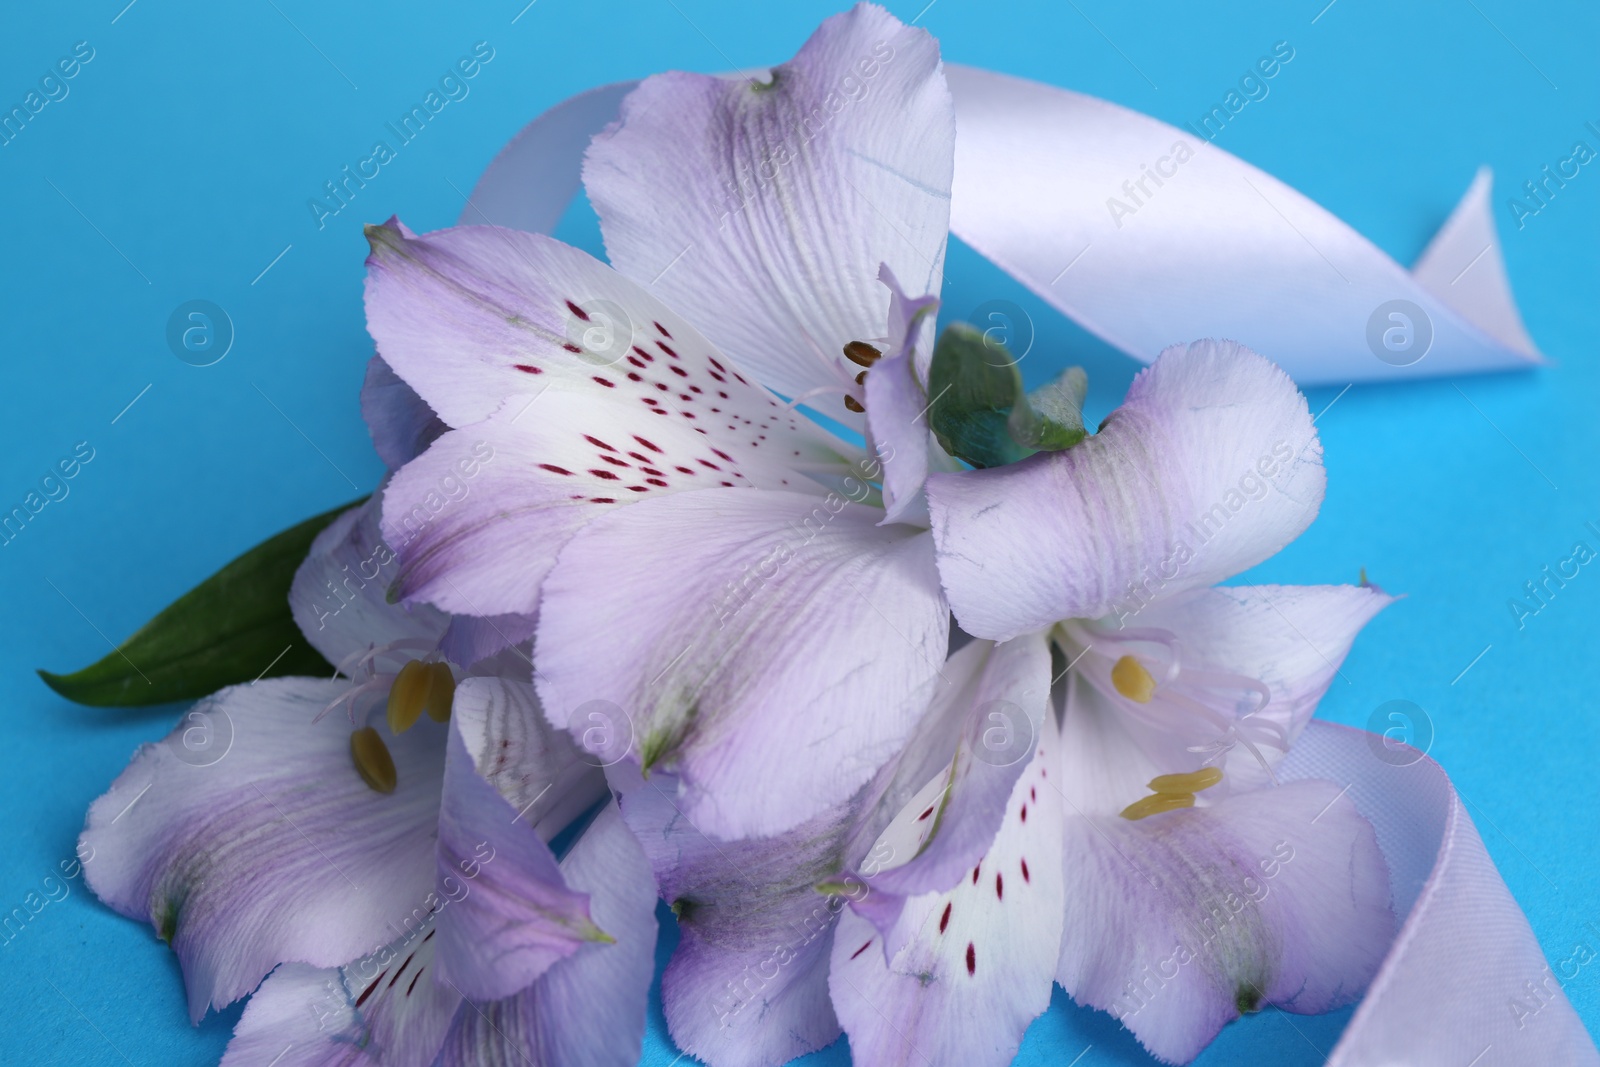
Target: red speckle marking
615 462
578 311
607 382
668 350
638 488
633 376
527 369
1024 813
413 984
602 500
662 330
362 999
402 970
723 454
684 470
597 442
862 949
570 347
1025 877
636 361
679 371
944 920
972 959
925 814
553 469
657 481
1033 793
605 474
651 445
999 887
975 874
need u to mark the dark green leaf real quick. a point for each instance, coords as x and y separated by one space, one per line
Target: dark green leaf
233 627
1051 417
975 384
980 412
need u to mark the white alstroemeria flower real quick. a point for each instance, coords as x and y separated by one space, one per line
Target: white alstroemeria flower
374 847
699 555
1188 887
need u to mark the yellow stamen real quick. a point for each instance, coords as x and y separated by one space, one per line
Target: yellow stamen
1155 805
1132 680
1193 782
372 760
417 688
442 693
1172 791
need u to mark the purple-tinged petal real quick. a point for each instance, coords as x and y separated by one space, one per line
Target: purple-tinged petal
547 780
1210 466
468 640
1292 638
338 597
509 914
276 851
478 519
748 983
386 1008
400 422
974 964
587 1010
742 633
978 737
1178 922
897 403
479 320
763 209
1107 757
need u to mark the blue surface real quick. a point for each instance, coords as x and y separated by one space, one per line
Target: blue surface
178 166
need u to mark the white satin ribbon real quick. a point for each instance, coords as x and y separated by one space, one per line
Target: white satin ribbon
1214 257
1217 249
1453 989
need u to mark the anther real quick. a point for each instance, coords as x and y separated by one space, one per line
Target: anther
1155 805
1132 680
859 352
372 760
853 404
417 688
861 379
1193 782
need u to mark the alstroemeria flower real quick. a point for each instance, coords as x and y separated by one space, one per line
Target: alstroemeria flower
700 555
748 985
1191 887
379 849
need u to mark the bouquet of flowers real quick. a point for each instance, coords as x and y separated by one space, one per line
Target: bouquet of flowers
715 586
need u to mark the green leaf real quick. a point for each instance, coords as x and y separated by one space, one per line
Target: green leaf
975 384
233 627
980 412
1051 417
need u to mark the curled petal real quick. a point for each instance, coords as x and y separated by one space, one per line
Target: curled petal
1210 466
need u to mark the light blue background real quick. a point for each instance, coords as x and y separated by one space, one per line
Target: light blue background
190 144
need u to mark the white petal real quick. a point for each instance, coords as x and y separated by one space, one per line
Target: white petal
1179 921
762 211
741 633
339 594
1210 466
976 962
276 851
